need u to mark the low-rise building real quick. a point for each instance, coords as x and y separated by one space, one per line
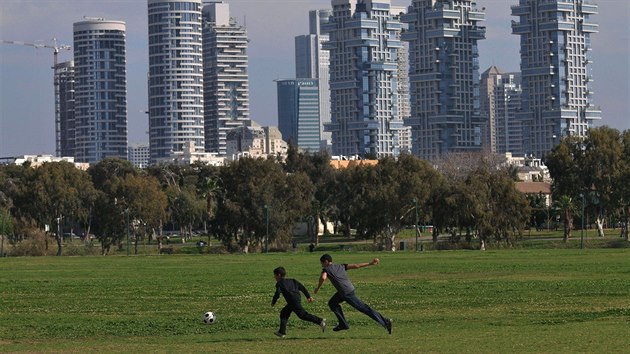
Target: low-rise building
255 141
38 160
189 156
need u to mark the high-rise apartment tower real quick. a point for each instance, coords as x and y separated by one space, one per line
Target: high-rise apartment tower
226 83
444 76
555 64
100 105
175 78
64 104
364 43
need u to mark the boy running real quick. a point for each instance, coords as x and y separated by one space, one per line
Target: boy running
290 289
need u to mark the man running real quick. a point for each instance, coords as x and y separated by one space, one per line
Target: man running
345 292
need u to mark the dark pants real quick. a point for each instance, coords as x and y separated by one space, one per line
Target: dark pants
354 301
299 311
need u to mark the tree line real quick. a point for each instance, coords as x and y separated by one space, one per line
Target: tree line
252 205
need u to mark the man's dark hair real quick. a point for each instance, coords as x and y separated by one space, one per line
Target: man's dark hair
325 257
280 271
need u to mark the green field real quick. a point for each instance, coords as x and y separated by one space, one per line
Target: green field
506 301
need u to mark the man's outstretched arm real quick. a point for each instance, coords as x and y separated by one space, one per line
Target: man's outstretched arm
375 261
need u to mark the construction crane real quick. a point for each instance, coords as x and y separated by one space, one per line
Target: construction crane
56 48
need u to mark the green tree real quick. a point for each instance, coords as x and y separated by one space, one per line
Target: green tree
565 163
108 216
61 192
146 205
601 167
6 228
209 188
622 187
567 208
186 210
539 210
389 190
255 191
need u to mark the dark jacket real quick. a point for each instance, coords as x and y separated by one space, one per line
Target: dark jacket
290 289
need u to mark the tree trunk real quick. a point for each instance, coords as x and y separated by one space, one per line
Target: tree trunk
482 244
600 226
568 225
135 243
392 240
59 244
625 227
326 231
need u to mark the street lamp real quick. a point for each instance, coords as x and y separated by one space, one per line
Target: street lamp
582 231
267 233
128 242
415 205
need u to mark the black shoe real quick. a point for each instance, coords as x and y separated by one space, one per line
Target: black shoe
340 328
281 335
388 325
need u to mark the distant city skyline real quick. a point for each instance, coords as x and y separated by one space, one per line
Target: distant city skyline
27 123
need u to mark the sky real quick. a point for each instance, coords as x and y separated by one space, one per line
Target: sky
26 89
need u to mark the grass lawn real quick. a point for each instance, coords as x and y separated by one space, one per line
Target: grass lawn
505 301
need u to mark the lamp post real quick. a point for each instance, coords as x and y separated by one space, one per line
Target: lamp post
127 222
267 233
582 231
415 205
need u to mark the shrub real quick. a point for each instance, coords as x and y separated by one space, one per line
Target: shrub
34 244
81 250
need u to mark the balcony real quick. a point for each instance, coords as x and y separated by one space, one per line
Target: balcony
588 8
408 17
589 27
442 14
445 32
362 23
476 15
520 10
557 25
477 33
518 28
563 6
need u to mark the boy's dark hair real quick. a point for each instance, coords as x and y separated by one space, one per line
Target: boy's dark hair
325 257
280 271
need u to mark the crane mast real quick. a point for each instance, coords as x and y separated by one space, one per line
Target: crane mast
56 48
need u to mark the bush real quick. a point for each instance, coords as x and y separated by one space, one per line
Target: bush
81 250
34 244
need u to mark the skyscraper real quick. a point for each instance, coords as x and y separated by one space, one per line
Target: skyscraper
175 78
100 90
312 62
500 100
226 82
64 106
444 76
364 43
555 64
404 109
298 113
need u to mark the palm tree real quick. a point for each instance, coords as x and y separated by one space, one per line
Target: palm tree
209 189
567 208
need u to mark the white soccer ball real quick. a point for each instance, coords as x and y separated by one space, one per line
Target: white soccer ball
209 317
